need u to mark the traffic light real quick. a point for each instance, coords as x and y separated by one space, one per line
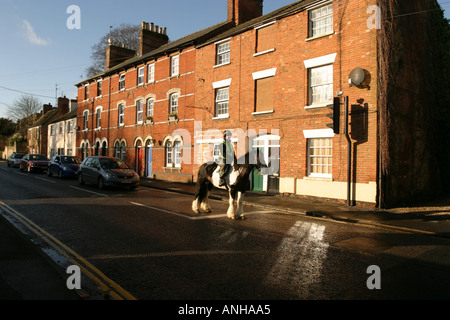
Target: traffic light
336 115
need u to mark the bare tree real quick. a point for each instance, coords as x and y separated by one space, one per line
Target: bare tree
24 107
126 34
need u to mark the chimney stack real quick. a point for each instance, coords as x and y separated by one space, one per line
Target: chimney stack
151 37
46 108
240 11
63 105
117 53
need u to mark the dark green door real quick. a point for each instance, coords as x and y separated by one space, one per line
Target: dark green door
258 180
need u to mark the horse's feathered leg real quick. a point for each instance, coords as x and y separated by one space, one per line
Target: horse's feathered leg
205 201
231 212
240 208
199 195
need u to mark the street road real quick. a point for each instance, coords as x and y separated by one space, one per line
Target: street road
148 243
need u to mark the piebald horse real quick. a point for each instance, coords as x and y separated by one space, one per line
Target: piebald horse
238 182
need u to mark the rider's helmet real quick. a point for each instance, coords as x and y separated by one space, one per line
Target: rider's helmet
226 133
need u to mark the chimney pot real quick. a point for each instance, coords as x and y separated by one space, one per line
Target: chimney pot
152 38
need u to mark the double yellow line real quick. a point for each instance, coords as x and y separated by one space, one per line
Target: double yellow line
104 286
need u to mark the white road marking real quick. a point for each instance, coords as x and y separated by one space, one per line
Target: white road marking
93 192
214 216
45 180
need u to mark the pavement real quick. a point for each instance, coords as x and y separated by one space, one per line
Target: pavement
26 273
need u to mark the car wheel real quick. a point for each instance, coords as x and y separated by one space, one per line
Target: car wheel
100 183
80 178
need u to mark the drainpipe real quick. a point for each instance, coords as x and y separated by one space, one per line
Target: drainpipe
109 116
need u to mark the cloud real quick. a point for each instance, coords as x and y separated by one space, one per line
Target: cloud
31 35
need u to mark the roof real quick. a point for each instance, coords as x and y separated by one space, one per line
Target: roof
189 40
282 12
67 116
205 36
46 118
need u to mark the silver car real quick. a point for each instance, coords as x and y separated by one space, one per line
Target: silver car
14 159
107 171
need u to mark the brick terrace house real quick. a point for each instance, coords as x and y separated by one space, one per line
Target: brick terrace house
141 108
61 139
271 82
37 134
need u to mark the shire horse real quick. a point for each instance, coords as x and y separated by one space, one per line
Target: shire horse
238 182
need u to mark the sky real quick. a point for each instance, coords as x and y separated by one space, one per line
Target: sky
44 52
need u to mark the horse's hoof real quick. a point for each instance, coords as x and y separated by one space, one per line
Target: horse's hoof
243 217
197 212
208 211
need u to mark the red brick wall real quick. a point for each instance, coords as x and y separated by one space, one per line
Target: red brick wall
131 132
355 46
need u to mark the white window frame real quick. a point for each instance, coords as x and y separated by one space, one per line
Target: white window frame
86 92
139 111
221 100
99 88
177 153
319 134
175 66
141 76
69 126
316 63
223 52
122 82
173 102
121 113
324 87
98 116
85 120
150 106
151 73
169 156
324 19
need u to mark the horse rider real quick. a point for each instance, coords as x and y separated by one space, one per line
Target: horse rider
227 156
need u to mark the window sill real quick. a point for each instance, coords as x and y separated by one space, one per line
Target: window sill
320 105
320 36
221 65
172 169
263 52
317 178
221 117
262 112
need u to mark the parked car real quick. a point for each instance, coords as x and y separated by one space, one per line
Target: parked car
63 166
107 171
34 162
14 159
